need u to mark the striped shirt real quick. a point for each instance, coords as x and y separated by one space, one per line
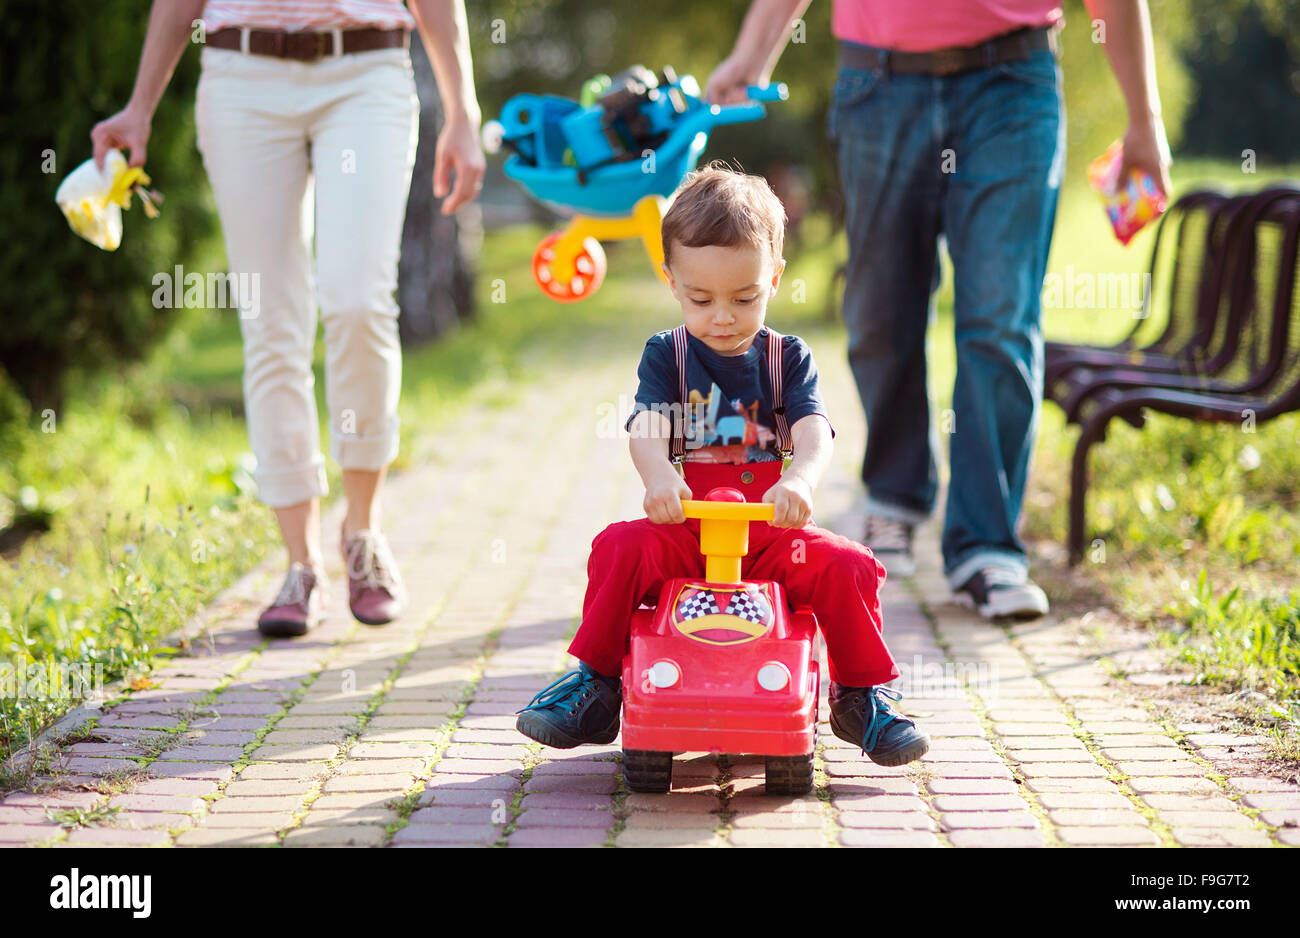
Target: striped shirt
296 15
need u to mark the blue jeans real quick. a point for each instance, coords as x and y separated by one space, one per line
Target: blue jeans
976 158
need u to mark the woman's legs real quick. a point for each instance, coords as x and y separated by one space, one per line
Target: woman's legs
361 487
255 151
300 529
363 129
363 149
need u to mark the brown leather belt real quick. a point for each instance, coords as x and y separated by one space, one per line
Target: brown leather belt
1009 47
306 46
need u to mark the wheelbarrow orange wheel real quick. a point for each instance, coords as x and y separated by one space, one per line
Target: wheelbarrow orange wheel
589 270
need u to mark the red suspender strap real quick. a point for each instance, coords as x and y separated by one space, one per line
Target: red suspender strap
775 370
677 445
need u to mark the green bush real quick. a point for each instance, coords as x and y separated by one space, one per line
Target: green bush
1246 66
67 306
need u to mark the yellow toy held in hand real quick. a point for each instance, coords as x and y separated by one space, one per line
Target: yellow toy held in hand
92 199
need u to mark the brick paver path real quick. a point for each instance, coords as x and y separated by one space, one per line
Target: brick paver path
404 735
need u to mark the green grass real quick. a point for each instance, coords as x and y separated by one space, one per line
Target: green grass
82 817
1253 643
149 518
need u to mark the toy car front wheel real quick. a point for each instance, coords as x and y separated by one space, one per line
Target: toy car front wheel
646 770
588 270
789 775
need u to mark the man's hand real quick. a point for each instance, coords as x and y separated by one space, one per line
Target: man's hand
458 150
663 499
792 499
1146 150
730 81
1129 50
763 35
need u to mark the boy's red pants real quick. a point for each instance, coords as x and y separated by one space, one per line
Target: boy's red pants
839 578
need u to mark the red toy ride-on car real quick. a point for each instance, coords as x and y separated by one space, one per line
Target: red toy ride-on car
721 664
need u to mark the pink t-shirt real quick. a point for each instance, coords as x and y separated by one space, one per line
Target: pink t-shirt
297 15
926 25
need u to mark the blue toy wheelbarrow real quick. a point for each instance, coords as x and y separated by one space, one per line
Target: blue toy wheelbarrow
611 160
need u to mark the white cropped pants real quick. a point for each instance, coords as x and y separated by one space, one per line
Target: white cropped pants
287 144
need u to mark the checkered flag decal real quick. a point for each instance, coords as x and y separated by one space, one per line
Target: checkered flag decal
751 605
697 604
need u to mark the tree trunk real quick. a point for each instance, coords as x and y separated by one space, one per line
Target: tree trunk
36 372
435 276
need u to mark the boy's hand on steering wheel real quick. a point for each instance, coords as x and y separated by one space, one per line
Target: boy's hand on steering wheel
792 499
663 500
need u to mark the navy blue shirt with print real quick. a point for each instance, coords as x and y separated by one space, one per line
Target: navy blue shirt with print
729 419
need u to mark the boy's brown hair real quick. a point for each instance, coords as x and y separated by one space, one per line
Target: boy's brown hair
718 205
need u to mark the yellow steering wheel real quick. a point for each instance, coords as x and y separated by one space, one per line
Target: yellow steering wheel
724 518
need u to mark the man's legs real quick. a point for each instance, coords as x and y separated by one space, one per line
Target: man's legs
1006 126
885 133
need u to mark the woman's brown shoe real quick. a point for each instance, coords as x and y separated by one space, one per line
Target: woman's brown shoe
300 605
375 591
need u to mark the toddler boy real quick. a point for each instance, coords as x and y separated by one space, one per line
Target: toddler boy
726 398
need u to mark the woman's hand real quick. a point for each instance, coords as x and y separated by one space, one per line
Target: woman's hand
127 129
458 150
792 499
168 36
663 499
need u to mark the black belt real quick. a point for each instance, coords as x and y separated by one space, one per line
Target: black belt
1009 47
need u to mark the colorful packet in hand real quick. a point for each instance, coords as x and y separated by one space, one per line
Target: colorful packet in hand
1131 206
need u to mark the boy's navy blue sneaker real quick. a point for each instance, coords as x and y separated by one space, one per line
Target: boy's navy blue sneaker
864 717
581 707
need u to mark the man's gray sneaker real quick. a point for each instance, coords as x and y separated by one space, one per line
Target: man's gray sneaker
891 542
996 592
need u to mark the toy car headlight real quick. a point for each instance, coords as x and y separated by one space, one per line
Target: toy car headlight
773 676
663 674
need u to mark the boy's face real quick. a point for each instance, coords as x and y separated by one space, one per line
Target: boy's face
724 292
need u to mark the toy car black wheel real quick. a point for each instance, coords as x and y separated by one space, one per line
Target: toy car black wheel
646 770
789 775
